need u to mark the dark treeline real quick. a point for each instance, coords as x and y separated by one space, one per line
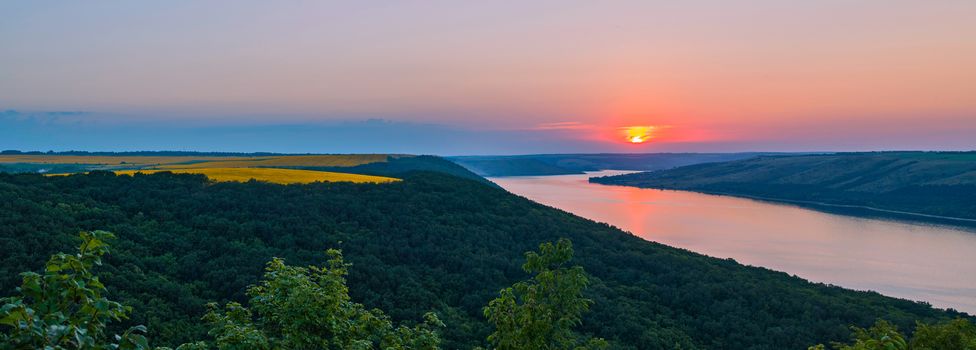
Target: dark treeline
430 243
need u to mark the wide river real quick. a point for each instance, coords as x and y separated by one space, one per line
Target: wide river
936 264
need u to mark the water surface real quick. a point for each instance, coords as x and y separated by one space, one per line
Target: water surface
936 264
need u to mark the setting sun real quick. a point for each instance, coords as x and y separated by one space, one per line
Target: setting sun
638 134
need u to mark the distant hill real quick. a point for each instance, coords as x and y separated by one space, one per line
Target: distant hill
565 164
917 185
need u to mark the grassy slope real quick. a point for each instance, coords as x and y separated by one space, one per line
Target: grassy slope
336 160
931 183
273 175
123 162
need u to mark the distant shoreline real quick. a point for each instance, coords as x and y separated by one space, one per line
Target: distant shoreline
814 205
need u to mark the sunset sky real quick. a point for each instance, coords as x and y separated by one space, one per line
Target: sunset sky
488 77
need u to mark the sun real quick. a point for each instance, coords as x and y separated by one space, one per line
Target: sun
638 134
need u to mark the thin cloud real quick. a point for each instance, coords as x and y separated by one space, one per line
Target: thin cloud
563 126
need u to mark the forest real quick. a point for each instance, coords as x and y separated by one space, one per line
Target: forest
65 308
430 243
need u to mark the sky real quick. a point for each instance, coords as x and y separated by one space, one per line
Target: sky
488 77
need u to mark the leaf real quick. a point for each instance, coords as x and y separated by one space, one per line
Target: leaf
13 318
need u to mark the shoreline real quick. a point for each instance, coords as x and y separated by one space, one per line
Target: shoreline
861 211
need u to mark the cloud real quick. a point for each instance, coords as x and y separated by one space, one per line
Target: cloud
564 126
67 113
42 116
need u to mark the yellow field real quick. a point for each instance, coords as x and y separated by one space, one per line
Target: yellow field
107 160
192 162
337 160
279 176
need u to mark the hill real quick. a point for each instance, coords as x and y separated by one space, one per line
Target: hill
565 164
429 242
930 186
399 166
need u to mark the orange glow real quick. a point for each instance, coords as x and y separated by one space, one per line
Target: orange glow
638 134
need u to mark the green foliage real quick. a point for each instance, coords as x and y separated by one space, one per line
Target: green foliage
64 308
540 313
881 336
310 308
429 243
958 334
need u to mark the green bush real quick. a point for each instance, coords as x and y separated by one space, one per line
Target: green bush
64 308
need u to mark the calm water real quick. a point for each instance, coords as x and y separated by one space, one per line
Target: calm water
919 262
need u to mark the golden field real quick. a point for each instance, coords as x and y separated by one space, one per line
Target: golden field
187 162
336 160
273 175
218 168
107 160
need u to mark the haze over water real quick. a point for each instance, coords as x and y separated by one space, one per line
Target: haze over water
914 261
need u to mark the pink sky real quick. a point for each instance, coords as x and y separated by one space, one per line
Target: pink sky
777 75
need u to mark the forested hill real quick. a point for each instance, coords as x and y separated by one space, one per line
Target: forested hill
564 164
398 166
429 242
928 183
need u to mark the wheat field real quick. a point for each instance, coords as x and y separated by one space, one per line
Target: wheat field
187 162
336 160
109 160
272 175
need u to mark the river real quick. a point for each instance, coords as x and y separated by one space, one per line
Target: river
935 264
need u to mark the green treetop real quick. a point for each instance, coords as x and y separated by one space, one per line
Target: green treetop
540 313
64 308
310 308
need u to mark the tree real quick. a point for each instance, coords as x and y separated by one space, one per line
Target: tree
294 308
540 313
958 334
63 308
881 336
310 308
